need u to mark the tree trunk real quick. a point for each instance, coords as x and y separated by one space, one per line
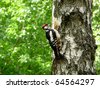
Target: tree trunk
78 44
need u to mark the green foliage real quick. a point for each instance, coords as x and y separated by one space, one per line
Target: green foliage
23 47
96 30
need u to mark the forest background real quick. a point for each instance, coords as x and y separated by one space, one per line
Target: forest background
23 45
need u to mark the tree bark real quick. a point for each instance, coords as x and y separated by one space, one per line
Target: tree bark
78 44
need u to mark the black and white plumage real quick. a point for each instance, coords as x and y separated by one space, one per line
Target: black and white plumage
54 40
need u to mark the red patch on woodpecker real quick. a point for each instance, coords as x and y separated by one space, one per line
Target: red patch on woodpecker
44 25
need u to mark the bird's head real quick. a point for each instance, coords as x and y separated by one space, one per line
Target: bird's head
45 26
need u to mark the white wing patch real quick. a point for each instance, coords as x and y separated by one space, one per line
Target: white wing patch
51 36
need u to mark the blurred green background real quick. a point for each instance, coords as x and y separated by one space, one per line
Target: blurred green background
23 46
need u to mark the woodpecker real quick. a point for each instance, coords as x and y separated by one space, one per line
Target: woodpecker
54 40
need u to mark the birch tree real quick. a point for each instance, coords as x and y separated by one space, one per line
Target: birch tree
78 44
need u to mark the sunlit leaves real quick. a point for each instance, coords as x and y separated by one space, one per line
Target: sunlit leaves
23 47
96 14
96 31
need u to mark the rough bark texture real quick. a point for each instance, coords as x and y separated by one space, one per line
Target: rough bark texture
78 44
